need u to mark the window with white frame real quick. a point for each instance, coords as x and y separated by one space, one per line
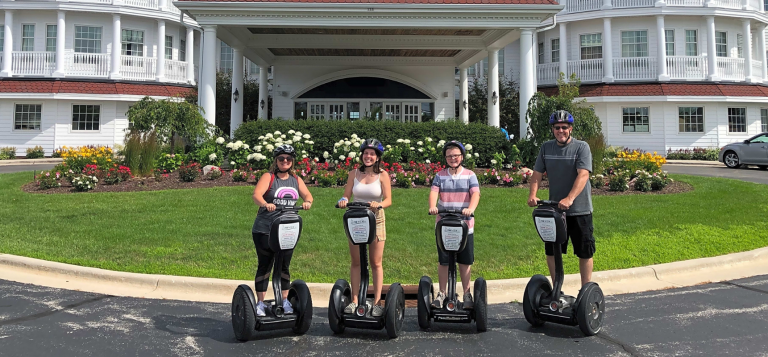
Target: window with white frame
27 37
485 66
392 111
737 120
764 120
634 43
411 112
540 53
353 110
721 44
739 45
50 38
85 117
635 120
669 42
182 50
227 58
765 5
2 37
317 111
555 50
133 43
27 116
691 119
336 111
691 43
501 62
87 39
591 46
169 47
253 69
376 108
471 70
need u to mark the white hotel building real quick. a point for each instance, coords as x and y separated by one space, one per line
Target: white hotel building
660 74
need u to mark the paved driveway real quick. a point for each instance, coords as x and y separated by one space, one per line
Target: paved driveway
751 174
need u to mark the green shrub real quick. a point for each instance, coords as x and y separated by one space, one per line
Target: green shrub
170 162
240 175
35 152
659 181
56 153
597 181
598 148
189 173
325 178
619 181
140 152
706 154
643 181
48 179
84 183
214 174
7 153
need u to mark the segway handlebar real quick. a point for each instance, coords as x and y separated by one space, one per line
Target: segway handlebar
358 205
450 211
547 203
288 208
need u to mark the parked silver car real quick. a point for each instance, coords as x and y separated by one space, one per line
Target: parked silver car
753 151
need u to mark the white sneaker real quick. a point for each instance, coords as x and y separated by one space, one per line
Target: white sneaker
287 308
438 303
377 311
350 309
260 309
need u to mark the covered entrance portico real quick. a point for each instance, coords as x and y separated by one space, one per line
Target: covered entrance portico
346 60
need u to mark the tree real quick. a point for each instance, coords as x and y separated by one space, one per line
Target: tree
169 118
509 103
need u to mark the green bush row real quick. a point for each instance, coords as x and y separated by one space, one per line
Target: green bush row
707 154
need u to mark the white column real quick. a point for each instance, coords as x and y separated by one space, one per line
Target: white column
661 56
208 90
526 80
160 50
564 50
61 26
263 92
493 87
190 51
607 5
761 48
746 35
162 4
464 102
607 51
745 5
535 55
116 48
711 50
236 113
7 45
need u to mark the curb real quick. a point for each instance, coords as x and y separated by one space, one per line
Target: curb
694 162
22 162
652 277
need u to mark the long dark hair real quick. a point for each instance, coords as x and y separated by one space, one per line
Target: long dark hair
376 166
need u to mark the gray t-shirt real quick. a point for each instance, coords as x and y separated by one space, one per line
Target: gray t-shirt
560 163
283 193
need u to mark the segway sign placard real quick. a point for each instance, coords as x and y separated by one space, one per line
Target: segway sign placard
359 229
452 238
288 234
546 228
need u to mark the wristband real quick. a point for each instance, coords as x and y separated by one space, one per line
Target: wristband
343 199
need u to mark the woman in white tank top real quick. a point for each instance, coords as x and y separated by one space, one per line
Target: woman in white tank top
369 184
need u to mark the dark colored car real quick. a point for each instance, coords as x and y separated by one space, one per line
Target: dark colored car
753 151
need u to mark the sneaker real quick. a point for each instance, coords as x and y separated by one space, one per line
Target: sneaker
377 311
287 308
468 304
438 303
260 309
350 309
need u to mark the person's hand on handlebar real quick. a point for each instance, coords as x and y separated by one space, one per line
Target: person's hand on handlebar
374 205
533 201
270 207
432 210
342 203
467 212
306 205
565 204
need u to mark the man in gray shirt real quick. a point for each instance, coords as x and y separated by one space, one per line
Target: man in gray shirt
568 163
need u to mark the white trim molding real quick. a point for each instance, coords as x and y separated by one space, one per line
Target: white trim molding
378 73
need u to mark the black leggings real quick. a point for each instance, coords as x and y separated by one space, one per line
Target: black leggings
266 259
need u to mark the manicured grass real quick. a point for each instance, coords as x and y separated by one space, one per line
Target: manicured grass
206 232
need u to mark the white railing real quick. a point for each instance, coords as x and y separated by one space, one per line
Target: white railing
148 4
586 70
138 68
633 3
685 3
582 5
732 4
687 67
548 73
33 63
87 64
172 9
757 69
176 71
634 68
730 68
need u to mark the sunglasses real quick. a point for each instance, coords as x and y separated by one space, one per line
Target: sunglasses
452 156
561 127
285 158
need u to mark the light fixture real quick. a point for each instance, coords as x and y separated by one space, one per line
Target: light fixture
236 95
261 104
465 104
495 98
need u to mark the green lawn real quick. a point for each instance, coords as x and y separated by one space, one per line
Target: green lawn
206 232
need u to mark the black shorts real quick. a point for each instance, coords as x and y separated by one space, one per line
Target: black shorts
580 231
466 257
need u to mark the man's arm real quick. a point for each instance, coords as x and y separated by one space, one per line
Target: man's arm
534 181
582 176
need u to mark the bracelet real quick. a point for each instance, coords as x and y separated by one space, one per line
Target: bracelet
343 199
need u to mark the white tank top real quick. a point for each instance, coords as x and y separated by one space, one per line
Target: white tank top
363 192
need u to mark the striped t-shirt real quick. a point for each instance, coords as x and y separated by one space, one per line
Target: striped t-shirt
456 191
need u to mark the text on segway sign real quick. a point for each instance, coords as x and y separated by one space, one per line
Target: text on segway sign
288 234
452 237
546 228
359 229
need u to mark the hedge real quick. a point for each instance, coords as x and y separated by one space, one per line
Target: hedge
485 140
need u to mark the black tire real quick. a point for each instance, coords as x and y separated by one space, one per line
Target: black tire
537 287
342 287
243 315
304 311
423 302
591 309
394 310
731 160
481 305
762 167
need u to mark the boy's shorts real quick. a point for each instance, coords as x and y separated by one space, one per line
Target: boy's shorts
466 257
580 231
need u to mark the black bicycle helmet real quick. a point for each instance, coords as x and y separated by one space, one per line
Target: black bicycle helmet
372 144
561 116
454 143
284 149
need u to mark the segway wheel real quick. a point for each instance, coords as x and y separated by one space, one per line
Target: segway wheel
481 305
537 287
301 298
591 309
394 309
425 294
243 315
336 307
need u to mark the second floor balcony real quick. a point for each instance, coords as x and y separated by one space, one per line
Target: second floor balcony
575 6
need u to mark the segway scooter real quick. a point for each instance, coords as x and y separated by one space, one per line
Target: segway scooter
360 227
451 236
541 301
283 237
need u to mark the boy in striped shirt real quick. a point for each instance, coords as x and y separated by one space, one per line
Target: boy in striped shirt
457 188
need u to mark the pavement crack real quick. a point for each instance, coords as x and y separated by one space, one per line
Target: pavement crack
625 346
54 311
744 287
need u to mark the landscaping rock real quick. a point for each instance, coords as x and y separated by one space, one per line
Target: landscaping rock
208 169
525 171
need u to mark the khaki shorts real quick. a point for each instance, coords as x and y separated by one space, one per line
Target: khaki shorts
381 230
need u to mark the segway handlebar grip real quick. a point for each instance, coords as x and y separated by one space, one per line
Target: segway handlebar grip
288 208
357 205
547 203
450 211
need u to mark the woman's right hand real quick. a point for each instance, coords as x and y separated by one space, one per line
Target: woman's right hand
270 207
342 203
